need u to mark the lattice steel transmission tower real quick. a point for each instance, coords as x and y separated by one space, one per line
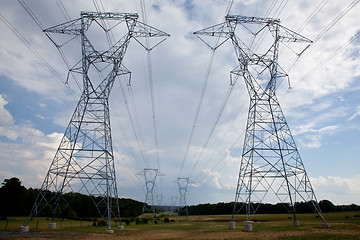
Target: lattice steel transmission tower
84 160
182 184
174 202
150 175
270 160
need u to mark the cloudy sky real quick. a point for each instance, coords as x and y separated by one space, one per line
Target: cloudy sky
322 108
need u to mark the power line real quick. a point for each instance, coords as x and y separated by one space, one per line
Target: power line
207 75
263 34
337 18
198 109
228 149
115 110
323 32
312 15
280 8
63 10
302 26
332 55
151 84
35 52
106 25
32 15
221 160
133 124
129 168
41 26
214 126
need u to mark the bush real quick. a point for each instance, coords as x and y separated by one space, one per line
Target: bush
145 220
166 220
142 220
99 223
126 221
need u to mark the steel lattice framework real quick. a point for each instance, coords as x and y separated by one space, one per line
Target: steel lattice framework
84 160
150 175
270 160
182 184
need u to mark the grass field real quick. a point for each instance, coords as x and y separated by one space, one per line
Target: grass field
345 225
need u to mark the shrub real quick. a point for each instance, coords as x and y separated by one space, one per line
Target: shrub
126 221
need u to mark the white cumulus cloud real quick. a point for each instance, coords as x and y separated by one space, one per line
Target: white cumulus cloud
5 116
337 189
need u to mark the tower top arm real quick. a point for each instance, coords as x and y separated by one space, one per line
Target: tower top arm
282 33
79 25
227 29
256 20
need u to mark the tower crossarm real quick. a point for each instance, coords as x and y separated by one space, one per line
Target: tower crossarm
238 19
143 30
82 24
283 33
218 30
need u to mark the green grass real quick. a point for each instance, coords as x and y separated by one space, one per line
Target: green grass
275 226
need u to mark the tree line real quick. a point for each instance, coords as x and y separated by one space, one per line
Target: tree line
267 208
16 200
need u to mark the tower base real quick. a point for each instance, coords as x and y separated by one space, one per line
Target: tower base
110 231
52 225
326 225
24 228
248 227
232 224
296 223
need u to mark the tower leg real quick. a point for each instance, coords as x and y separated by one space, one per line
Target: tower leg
232 224
248 227
326 225
52 225
24 228
270 161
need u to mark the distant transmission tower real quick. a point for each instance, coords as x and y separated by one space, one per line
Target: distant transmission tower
182 184
84 161
174 202
270 161
150 176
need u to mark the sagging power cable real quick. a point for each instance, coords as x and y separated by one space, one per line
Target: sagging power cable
207 75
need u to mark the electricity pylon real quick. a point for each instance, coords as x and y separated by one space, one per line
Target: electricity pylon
150 175
270 160
174 202
84 160
182 184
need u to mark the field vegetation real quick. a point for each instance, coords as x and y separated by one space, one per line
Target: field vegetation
344 225
206 221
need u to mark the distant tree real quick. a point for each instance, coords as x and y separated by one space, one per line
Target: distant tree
326 206
12 198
